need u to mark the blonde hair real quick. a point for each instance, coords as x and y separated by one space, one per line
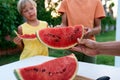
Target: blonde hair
21 4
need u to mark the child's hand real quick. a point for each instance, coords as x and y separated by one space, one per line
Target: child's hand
17 41
88 33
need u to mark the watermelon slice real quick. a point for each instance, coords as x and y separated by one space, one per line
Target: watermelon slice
26 36
63 68
60 37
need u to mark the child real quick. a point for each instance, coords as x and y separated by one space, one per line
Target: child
86 12
27 8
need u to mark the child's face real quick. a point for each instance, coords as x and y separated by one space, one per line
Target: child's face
29 11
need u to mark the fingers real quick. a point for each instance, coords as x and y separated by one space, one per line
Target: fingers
16 40
88 33
81 41
78 49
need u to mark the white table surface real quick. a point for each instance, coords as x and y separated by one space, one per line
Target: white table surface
85 69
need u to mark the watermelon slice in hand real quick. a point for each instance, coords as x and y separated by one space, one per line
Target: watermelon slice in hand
63 68
60 37
26 36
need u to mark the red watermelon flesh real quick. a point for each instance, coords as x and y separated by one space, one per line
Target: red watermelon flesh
26 36
63 68
60 37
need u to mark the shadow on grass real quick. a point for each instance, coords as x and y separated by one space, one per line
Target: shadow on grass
5 59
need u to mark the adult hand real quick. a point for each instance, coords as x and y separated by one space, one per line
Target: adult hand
86 46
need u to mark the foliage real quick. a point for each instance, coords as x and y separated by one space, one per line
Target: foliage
9 19
46 15
108 21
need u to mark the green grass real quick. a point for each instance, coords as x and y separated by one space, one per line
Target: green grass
101 59
107 36
105 59
60 53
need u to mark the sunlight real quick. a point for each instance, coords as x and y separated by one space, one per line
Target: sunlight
54 0
52 5
115 7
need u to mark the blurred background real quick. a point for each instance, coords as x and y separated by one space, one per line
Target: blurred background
47 10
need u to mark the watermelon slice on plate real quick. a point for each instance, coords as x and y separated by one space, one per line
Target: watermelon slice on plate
26 36
63 68
60 37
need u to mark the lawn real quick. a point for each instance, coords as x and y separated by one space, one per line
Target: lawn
101 59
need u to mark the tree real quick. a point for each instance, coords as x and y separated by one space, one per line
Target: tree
43 14
9 19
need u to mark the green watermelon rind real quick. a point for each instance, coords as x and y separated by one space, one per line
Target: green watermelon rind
60 48
19 77
17 74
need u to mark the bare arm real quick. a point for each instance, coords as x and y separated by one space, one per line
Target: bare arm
97 26
109 48
64 20
95 30
93 48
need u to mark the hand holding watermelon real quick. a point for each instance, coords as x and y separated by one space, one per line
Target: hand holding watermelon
26 36
87 32
17 41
